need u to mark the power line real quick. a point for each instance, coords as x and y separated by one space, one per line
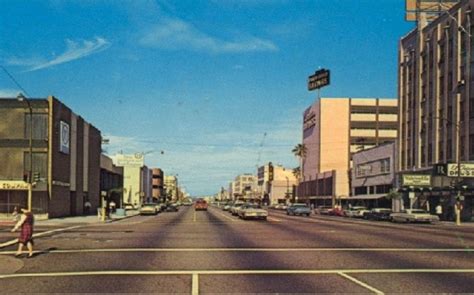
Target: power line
15 81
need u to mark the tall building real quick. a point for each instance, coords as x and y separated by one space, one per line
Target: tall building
245 186
437 108
157 184
137 183
276 183
335 128
171 187
65 157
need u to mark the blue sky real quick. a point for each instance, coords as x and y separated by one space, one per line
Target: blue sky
219 86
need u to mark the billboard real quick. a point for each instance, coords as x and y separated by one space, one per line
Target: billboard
136 159
319 79
64 137
416 180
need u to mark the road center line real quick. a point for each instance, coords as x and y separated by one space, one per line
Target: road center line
360 283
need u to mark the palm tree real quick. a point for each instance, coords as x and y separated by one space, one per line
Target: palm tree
300 151
297 172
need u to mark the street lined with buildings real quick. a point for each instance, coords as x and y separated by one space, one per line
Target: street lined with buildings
174 252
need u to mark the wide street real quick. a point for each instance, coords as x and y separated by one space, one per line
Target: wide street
213 252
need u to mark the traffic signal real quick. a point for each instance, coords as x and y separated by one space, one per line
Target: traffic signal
270 171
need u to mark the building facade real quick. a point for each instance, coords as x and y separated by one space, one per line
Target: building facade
374 175
171 187
277 184
157 185
245 187
66 157
437 108
137 178
334 129
111 180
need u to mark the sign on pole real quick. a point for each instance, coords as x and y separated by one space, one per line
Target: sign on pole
319 79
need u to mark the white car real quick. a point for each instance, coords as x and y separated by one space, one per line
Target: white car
252 211
413 215
235 208
356 211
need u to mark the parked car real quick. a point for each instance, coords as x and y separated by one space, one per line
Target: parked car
148 209
253 211
356 211
337 211
236 207
281 206
378 214
413 215
128 207
227 206
172 207
323 210
298 209
200 204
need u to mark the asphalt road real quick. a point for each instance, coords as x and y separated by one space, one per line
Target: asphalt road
214 252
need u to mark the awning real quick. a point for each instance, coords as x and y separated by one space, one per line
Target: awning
367 197
321 198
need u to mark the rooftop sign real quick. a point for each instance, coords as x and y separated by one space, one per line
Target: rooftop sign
319 79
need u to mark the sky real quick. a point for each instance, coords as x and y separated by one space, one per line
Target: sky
207 90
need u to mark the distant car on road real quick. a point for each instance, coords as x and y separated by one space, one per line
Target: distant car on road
172 207
413 215
356 211
252 211
148 209
298 209
323 210
378 214
200 204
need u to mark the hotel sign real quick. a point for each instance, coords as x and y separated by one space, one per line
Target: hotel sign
309 120
416 180
320 79
13 185
467 170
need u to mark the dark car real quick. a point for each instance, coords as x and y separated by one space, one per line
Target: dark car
173 207
298 209
378 214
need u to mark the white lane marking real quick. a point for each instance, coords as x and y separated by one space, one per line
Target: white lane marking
360 283
13 242
298 250
232 272
194 216
195 284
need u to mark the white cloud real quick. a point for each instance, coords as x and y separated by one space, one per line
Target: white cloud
9 93
74 50
174 34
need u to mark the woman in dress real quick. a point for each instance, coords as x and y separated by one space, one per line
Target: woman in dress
26 223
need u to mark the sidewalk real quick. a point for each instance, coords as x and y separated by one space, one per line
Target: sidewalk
47 226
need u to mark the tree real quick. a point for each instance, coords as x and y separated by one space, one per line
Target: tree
300 151
297 172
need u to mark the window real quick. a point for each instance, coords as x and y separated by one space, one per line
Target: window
40 126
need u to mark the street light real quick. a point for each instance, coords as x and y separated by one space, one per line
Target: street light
21 97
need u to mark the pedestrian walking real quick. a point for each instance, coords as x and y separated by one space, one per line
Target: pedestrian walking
26 223
439 211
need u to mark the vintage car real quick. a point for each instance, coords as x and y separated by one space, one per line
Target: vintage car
236 207
378 214
200 204
413 215
356 211
252 211
298 209
323 210
148 209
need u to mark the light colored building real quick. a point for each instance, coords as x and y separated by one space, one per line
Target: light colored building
334 129
373 175
111 180
245 187
437 108
276 184
171 187
137 183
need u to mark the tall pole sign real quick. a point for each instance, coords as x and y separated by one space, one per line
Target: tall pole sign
319 79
